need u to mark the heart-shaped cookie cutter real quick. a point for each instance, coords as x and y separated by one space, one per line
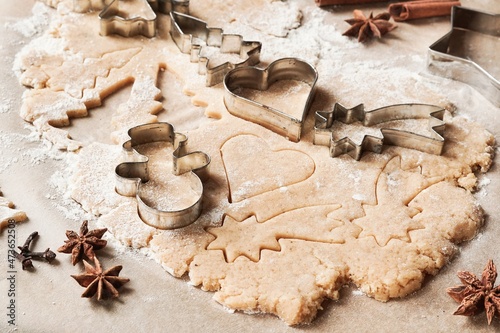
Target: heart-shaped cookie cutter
432 144
261 79
189 33
132 173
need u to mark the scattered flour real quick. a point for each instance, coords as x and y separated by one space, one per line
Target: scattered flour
34 25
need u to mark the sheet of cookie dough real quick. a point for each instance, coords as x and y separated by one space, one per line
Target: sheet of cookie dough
287 245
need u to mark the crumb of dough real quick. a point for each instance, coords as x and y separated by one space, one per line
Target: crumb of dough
9 213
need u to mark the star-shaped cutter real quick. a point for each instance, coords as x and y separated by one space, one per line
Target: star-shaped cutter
188 32
451 55
134 172
432 144
112 20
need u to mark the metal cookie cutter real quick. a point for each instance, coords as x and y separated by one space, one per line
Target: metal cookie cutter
432 144
189 33
470 52
261 79
116 21
162 6
84 6
130 175
167 6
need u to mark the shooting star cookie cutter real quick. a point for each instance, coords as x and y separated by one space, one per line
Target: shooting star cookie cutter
467 53
190 34
131 174
115 20
261 79
432 144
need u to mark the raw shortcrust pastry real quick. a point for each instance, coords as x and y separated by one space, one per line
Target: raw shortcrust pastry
8 213
284 226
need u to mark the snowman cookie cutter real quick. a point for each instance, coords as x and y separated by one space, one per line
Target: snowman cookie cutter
131 174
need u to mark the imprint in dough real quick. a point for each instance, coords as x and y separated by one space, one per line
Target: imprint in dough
252 167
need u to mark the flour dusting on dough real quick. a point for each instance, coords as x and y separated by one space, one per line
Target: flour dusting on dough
284 226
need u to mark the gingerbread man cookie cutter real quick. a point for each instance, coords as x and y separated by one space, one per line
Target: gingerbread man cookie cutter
130 175
190 33
452 55
432 144
162 6
116 21
260 79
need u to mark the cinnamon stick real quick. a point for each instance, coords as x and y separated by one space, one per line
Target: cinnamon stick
344 2
404 11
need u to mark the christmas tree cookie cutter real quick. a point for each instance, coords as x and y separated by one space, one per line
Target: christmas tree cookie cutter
452 55
130 175
432 144
190 34
260 79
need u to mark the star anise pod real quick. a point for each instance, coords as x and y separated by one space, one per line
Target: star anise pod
477 295
365 28
84 243
98 282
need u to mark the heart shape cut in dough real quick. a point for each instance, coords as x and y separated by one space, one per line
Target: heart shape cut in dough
253 168
279 121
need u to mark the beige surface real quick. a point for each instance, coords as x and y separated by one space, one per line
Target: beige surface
177 304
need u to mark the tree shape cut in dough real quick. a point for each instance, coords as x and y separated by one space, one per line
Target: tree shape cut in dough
75 75
249 237
58 96
253 168
392 217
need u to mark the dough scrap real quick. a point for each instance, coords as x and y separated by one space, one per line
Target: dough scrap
9 213
285 245
72 81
